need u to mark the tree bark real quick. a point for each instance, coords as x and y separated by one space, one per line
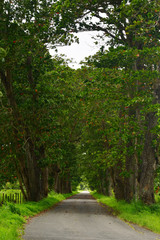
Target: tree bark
129 179
148 163
62 184
118 182
44 181
31 174
146 192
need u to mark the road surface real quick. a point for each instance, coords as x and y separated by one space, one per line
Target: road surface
82 218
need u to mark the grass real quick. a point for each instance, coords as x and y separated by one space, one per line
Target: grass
13 216
135 212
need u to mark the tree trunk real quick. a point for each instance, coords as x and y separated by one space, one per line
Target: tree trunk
148 163
118 182
129 184
104 186
129 177
44 181
119 188
62 184
37 177
108 184
149 153
20 179
31 174
123 172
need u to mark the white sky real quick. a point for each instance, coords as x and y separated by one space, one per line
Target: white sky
78 52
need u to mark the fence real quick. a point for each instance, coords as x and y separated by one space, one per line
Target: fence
11 197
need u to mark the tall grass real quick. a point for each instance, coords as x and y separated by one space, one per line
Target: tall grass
13 216
135 212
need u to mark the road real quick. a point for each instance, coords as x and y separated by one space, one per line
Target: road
82 218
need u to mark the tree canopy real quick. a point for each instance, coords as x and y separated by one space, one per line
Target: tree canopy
100 122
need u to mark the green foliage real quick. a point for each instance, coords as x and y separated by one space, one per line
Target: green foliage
13 208
87 122
49 109
60 127
132 23
108 97
25 31
83 184
2 54
122 57
157 179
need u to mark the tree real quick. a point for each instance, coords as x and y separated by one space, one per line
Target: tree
128 74
26 29
125 131
64 130
19 37
135 26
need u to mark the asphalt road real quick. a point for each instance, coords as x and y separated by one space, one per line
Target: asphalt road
82 218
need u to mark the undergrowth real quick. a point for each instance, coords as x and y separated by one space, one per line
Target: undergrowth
147 216
13 216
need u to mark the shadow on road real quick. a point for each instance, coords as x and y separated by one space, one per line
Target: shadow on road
82 203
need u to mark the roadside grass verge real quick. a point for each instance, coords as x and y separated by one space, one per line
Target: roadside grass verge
13 216
135 212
